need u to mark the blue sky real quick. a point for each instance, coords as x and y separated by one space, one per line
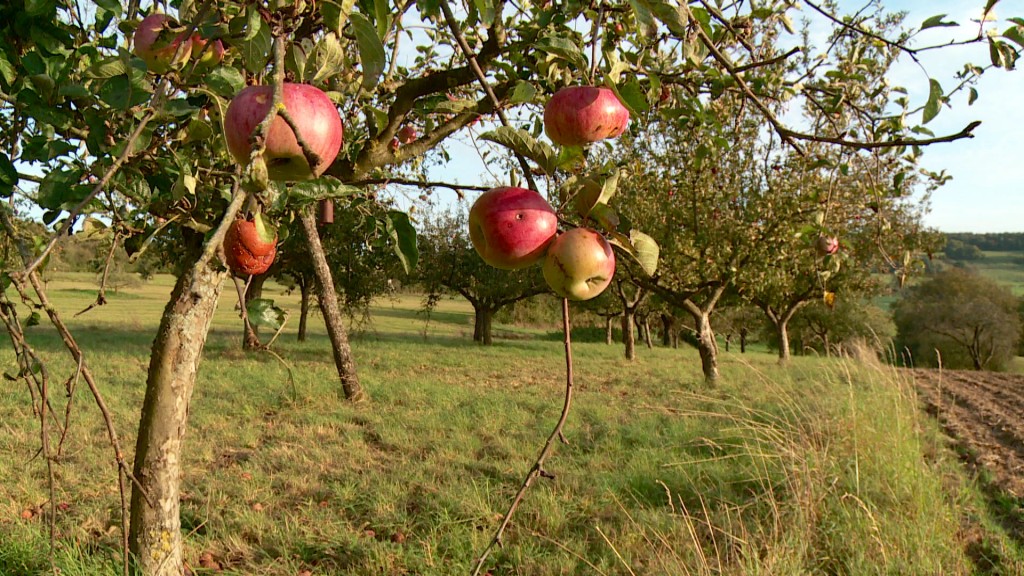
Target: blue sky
986 193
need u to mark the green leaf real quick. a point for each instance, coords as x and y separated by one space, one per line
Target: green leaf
326 60
320 189
1015 35
936 21
7 72
563 48
265 229
60 189
972 96
485 8
522 142
94 228
33 319
371 50
225 81
108 68
674 15
256 51
995 54
931 108
632 96
8 176
336 14
403 239
522 93
263 313
646 251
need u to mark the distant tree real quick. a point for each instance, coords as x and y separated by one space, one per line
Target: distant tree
737 320
961 251
971 320
831 329
448 262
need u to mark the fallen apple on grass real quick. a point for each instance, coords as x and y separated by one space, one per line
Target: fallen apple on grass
511 227
579 264
315 116
580 115
250 247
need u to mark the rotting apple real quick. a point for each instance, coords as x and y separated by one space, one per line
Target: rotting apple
580 115
579 264
511 227
826 245
249 247
161 47
315 116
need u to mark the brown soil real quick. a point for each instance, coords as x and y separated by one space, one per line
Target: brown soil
984 413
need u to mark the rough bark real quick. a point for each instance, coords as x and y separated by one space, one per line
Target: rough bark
483 319
305 292
782 329
336 331
707 347
155 531
608 332
628 335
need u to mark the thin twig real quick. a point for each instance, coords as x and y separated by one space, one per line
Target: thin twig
453 25
538 467
101 296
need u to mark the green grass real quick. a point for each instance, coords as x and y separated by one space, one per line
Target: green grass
1007 268
822 467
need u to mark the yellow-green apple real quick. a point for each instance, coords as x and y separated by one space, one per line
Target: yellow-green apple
579 115
157 42
826 245
250 247
511 227
579 264
315 116
208 57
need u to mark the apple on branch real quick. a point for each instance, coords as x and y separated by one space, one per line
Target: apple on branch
250 247
826 245
579 264
580 115
511 227
157 42
315 116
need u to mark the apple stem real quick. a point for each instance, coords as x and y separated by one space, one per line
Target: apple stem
538 467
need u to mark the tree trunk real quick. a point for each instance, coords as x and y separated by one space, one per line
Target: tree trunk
782 330
343 359
304 294
647 332
608 336
743 341
483 317
707 347
251 340
155 533
629 335
828 345
728 340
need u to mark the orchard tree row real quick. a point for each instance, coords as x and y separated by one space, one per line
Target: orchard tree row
219 127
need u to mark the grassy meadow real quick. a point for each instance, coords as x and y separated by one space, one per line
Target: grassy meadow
822 467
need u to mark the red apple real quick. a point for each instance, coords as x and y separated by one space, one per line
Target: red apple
315 116
579 264
158 45
407 134
826 245
511 227
249 247
582 114
208 57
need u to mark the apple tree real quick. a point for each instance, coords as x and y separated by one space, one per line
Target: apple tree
203 117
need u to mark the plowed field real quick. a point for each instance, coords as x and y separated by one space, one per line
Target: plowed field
984 412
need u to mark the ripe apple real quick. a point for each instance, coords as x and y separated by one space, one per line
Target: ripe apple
157 44
579 264
582 114
314 114
511 227
249 247
407 134
826 245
